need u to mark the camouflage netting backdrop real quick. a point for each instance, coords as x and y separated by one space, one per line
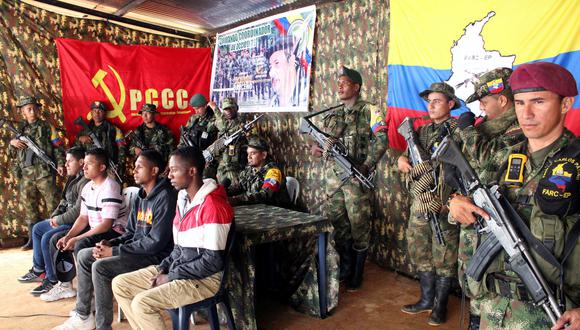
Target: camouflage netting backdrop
351 33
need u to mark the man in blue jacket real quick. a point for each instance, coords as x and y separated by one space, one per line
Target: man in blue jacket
147 241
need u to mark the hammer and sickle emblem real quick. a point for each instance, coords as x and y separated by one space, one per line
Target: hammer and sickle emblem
99 81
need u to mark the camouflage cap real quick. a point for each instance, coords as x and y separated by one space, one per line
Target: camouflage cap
198 100
353 75
229 102
27 99
98 105
148 107
492 82
257 142
441 87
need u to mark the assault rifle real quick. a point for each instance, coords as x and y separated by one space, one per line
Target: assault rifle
97 143
503 226
337 151
133 137
218 145
29 143
419 156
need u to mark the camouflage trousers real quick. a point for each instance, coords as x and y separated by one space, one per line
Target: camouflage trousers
349 211
502 313
424 251
468 242
32 190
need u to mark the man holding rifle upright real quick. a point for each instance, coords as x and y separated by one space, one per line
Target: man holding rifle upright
36 176
540 179
357 127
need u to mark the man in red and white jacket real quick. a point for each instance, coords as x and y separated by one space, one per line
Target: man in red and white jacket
200 229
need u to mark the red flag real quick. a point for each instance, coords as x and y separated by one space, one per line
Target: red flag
126 77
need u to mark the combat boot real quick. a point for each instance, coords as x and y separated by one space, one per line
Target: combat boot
360 256
425 303
474 321
345 253
439 312
28 244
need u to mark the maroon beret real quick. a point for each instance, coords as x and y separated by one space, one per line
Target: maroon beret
543 76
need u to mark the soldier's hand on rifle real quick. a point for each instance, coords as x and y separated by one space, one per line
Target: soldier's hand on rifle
316 150
213 105
463 210
85 139
571 317
18 144
404 165
60 170
137 151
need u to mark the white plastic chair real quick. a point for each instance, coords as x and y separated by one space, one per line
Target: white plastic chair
293 187
129 196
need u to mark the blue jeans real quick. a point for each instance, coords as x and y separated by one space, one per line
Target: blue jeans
41 256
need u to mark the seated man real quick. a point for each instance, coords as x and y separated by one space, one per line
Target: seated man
147 241
261 181
60 220
193 270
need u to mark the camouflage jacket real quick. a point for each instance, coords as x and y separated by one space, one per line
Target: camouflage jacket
361 129
201 129
47 138
265 185
232 157
158 138
550 229
69 206
110 136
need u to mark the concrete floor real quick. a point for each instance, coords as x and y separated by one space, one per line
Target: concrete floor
376 306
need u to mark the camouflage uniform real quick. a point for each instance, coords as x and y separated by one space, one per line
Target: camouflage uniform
232 159
349 208
202 128
513 310
36 177
112 139
158 138
425 253
264 185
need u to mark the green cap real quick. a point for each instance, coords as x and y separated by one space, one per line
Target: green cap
229 102
353 75
492 82
148 107
441 87
257 142
98 105
27 99
198 100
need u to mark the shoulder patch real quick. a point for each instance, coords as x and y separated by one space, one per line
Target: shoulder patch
272 179
377 122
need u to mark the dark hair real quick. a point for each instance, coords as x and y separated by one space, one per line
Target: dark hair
154 157
192 156
77 152
100 154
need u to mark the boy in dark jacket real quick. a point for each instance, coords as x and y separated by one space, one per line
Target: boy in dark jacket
147 241
200 230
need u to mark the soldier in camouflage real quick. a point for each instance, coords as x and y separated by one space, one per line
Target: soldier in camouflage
151 134
436 264
36 177
545 195
110 136
360 128
499 124
262 181
232 160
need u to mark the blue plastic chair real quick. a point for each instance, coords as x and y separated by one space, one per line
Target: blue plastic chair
180 317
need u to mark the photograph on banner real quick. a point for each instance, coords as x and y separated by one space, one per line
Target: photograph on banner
266 64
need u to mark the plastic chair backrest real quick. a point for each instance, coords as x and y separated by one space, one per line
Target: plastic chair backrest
293 187
129 196
227 256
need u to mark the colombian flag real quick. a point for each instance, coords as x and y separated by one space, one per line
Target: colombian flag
457 40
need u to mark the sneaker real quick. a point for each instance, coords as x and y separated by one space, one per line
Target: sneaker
58 292
75 322
32 276
44 287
